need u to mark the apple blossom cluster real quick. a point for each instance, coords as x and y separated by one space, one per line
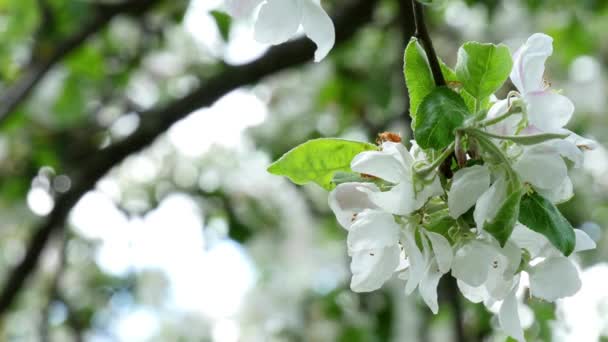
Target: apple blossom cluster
475 195
278 20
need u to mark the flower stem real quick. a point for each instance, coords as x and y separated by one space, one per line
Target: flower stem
423 172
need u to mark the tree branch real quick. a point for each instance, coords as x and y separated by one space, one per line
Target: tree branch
156 121
423 34
39 66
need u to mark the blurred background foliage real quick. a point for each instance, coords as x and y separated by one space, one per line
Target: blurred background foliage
190 239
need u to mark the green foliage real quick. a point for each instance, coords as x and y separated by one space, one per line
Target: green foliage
483 68
418 76
439 114
502 225
540 215
318 160
223 22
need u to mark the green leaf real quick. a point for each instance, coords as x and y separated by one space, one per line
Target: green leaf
418 76
223 22
318 160
502 225
439 114
483 68
439 222
543 217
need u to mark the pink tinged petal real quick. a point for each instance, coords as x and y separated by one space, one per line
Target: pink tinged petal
554 278
542 167
372 268
472 262
373 229
443 251
508 317
348 199
548 111
241 8
468 185
583 241
318 27
379 164
488 203
417 262
428 287
278 20
529 63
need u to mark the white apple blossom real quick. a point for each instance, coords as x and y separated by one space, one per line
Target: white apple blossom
373 236
394 164
279 20
424 268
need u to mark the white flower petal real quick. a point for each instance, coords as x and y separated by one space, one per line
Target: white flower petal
568 148
528 239
442 249
548 111
348 199
472 262
399 200
529 63
400 153
318 27
541 166
488 203
373 229
417 262
468 185
583 241
428 286
559 194
373 268
475 294
379 164
554 278
241 8
508 316
278 20
507 126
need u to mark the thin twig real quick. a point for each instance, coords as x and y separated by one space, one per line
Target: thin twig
423 34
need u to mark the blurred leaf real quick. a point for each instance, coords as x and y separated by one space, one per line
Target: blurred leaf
317 160
223 22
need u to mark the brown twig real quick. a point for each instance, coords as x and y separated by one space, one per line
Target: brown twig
423 34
